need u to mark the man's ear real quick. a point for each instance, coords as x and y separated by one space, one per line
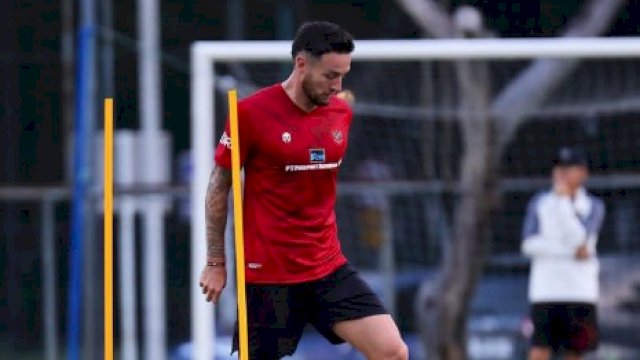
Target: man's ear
301 61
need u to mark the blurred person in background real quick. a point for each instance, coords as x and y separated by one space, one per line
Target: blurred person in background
294 135
560 234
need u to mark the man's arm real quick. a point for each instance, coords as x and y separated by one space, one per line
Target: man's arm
216 205
214 275
541 246
534 243
594 224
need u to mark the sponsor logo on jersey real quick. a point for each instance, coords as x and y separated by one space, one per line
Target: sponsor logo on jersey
337 136
254 266
286 137
225 140
309 167
317 156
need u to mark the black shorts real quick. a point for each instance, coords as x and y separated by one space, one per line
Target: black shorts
565 326
277 314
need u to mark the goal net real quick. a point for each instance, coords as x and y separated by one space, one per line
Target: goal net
398 181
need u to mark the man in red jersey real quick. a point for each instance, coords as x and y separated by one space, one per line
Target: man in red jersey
293 136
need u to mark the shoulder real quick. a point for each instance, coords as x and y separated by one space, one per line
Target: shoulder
340 104
539 198
596 202
341 108
259 98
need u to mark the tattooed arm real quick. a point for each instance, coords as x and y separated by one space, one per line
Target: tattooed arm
216 205
214 275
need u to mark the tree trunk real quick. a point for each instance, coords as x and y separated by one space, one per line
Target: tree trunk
445 306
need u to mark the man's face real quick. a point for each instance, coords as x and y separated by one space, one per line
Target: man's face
322 77
573 176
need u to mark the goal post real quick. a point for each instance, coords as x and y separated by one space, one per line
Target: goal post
206 54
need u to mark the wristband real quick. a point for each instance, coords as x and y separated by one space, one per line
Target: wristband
215 263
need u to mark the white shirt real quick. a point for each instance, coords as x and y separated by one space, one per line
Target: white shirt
554 228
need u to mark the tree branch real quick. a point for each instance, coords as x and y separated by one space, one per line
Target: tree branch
532 86
431 17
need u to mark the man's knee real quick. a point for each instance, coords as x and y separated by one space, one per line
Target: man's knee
403 352
394 351
539 353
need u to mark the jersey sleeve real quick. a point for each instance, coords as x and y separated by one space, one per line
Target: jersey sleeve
594 223
531 224
246 133
536 242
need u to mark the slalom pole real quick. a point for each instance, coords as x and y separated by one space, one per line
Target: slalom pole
239 234
108 229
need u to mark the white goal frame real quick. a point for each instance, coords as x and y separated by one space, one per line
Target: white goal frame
205 54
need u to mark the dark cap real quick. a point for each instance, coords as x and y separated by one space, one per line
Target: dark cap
570 156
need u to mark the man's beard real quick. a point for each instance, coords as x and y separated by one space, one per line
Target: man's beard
317 100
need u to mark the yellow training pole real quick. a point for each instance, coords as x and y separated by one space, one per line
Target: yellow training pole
108 229
237 216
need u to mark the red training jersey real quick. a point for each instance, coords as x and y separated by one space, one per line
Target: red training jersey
291 160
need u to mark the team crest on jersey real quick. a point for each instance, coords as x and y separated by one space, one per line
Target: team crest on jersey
337 136
286 137
225 140
317 156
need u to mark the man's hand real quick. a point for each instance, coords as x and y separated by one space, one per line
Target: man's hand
561 189
212 280
560 186
582 253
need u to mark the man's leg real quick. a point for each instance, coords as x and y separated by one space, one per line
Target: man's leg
582 330
345 308
539 353
376 336
275 321
546 331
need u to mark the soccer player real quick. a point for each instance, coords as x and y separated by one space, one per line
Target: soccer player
560 234
293 136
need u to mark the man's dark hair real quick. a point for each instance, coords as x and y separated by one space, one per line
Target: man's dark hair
320 37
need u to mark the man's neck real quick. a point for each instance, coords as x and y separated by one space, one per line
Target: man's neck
293 87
